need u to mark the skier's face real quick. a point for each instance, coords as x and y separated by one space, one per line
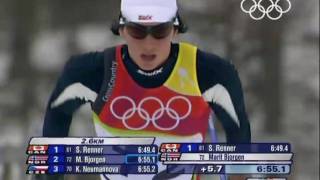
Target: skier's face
148 44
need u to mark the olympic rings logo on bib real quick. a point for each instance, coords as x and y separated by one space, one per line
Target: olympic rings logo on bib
155 116
274 6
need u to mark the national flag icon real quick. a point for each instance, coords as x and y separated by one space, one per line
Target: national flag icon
170 156
38 148
173 155
42 159
170 147
37 169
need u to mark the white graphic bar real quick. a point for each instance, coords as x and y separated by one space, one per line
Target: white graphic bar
91 141
236 156
267 178
227 162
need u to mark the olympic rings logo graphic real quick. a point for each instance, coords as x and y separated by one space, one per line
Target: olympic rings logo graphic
265 11
153 118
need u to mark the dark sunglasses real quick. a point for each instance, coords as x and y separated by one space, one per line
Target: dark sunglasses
139 31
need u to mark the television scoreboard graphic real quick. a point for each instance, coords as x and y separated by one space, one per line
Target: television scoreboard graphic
110 155
92 156
219 158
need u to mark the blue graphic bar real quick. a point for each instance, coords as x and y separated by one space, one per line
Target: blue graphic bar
235 148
